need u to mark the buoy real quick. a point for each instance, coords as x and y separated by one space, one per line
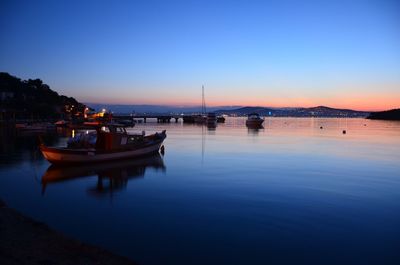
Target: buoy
344 131
321 127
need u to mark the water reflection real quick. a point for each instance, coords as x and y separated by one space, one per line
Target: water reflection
16 147
211 126
111 176
254 129
256 193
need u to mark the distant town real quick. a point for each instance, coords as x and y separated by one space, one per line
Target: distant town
320 111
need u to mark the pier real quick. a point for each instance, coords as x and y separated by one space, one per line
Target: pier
160 118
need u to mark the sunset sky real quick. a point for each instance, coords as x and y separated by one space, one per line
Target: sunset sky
266 53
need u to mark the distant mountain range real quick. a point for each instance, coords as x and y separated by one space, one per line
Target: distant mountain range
320 111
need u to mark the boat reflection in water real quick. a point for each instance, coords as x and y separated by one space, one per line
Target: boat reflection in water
254 129
211 126
111 176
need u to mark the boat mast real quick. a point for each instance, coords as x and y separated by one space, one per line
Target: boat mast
203 103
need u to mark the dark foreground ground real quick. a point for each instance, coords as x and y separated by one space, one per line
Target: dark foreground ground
25 241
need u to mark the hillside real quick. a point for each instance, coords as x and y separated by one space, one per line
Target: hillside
393 114
320 111
33 98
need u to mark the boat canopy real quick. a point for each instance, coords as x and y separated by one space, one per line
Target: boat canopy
253 114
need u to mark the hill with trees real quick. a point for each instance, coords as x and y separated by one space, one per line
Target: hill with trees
393 114
320 111
33 98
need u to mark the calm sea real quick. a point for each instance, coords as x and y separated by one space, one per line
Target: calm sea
290 193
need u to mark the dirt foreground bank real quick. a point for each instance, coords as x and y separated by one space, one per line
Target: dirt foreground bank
25 241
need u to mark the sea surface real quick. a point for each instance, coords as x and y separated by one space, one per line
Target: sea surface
289 193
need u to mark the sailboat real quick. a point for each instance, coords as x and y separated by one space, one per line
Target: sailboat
210 119
202 117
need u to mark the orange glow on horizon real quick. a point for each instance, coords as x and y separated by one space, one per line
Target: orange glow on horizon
373 103
377 103
363 98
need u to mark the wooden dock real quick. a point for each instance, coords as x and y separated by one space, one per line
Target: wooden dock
160 118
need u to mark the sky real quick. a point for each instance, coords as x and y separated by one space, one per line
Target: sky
257 53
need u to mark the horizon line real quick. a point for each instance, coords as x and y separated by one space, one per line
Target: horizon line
236 106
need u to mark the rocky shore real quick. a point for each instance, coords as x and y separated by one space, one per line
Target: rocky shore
26 241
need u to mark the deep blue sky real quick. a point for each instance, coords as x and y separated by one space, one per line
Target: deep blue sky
339 53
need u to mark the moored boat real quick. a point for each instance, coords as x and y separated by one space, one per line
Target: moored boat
61 123
111 142
200 119
188 119
254 120
211 119
220 119
35 127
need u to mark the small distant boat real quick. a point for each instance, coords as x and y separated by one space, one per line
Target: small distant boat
220 119
211 119
20 125
254 120
35 127
128 123
109 142
201 119
188 119
61 123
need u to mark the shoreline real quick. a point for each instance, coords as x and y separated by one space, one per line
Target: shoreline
26 241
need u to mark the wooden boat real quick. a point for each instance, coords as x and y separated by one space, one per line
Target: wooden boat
254 120
112 142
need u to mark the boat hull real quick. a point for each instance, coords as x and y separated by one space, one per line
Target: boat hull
220 119
200 119
78 156
254 123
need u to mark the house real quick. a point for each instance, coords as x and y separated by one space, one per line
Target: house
4 95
